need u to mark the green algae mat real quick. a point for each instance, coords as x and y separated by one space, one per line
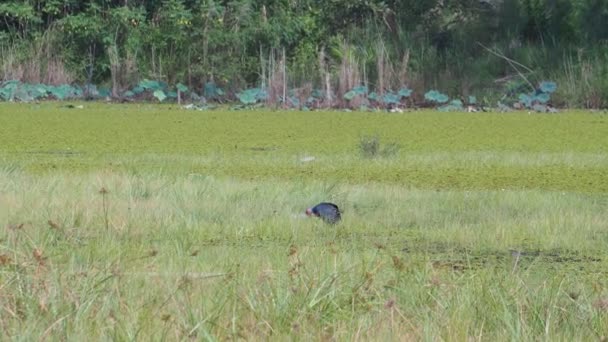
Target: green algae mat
567 151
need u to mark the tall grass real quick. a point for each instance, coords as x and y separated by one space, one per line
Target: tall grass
194 256
37 61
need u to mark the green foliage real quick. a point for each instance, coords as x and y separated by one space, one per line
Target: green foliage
252 96
538 99
227 42
160 95
23 92
452 106
212 91
405 92
181 87
436 97
547 87
356 91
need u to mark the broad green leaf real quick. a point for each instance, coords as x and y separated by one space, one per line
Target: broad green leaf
104 92
22 95
391 98
138 89
525 99
548 87
350 95
211 91
318 93
456 103
360 90
63 91
453 106
182 88
542 97
435 96
405 92
150 85
160 95
250 96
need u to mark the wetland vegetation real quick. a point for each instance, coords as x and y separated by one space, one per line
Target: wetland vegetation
147 221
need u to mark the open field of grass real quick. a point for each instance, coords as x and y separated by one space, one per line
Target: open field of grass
482 226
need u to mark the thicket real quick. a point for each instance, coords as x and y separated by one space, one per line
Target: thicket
298 50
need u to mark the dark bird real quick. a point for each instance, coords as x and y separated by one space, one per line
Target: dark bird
329 212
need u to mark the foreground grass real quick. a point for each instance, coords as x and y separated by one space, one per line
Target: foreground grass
166 256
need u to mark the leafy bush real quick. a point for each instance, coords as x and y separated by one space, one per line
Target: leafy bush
539 98
388 99
435 96
252 96
23 92
452 106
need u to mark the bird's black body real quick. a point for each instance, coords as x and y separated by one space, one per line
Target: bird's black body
329 212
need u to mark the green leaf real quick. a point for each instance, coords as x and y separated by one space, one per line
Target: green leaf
104 92
63 91
22 95
182 88
542 97
435 96
453 106
350 95
138 90
548 87
360 90
7 92
293 101
525 99
211 91
318 94
405 92
251 96
391 98
160 95
150 85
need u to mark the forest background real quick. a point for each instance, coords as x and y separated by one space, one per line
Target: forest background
490 49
